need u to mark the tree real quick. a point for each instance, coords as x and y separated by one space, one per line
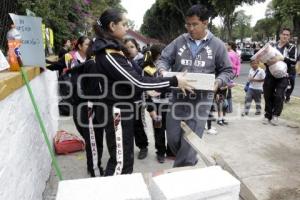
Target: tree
226 11
67 18
241 25
165 19
288 10
264 29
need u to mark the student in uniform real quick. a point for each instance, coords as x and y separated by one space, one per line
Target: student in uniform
120 84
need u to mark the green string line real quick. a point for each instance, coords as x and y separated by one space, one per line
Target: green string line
42 126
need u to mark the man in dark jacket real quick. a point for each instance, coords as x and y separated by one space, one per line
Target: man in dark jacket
289 51
275 89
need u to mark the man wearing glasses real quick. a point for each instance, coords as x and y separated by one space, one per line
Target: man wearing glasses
197 51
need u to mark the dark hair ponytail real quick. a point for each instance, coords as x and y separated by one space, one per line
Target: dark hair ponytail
233 45
101 27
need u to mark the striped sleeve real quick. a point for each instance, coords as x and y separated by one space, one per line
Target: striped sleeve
120 69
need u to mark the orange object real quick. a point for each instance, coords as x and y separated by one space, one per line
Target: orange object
65 143
12 57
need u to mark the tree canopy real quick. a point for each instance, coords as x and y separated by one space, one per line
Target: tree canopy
67 18
165 19
288 10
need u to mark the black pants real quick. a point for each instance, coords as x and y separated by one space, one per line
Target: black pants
160 133
120 147
274 90
289 91
140 137
210 117
229 100
93 137
221 101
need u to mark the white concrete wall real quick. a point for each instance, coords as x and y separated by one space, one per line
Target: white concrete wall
25 163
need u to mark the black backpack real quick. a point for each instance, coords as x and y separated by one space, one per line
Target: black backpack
69 83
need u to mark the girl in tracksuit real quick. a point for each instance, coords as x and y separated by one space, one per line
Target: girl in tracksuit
119 85
83 111
137 60
157 105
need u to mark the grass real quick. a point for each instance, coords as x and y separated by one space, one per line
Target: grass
291 111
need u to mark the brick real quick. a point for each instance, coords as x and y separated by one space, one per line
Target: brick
211 183
121 187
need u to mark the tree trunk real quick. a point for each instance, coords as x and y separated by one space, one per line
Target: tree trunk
296 24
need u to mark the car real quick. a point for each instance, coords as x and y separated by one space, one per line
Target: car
246 54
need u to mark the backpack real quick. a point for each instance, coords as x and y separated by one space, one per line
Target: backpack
69 83
65 143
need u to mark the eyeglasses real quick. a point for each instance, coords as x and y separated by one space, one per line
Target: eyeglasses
191 26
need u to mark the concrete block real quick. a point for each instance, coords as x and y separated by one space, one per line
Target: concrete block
211 183
121 187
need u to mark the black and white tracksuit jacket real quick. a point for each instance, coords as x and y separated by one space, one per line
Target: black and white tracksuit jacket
115 66
119 84
289 52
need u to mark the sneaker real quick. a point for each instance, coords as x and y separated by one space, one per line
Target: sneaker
143 153
244 114
274 121
287 100
257 113
212 132
265 121
225 122
220 122
160 158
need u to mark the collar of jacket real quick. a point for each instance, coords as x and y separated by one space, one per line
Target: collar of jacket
101 44
208 36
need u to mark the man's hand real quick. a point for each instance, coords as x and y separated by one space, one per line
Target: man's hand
162 72
217 85
183 83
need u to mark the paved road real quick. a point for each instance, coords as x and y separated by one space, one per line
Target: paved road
244 74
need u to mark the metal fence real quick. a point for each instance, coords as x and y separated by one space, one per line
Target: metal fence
7 6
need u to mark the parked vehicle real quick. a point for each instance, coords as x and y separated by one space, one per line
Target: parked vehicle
246 54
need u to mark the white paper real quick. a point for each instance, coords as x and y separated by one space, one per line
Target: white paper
3 62
32 48
199 81
266 53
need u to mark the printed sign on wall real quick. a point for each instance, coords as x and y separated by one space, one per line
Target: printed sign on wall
32 48
3 62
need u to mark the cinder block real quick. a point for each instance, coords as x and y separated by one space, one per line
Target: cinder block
122 187
211 183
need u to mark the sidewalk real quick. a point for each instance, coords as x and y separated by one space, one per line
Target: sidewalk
267 158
